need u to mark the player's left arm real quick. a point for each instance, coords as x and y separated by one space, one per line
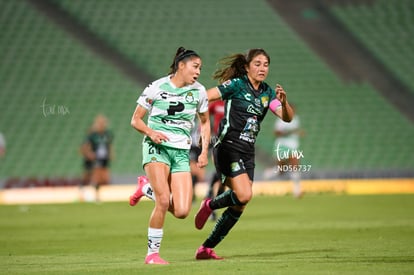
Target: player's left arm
205 138
286 112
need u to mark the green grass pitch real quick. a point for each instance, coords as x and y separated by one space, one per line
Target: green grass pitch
319 234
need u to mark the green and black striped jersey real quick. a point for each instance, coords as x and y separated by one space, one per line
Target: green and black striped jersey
245 109
172 110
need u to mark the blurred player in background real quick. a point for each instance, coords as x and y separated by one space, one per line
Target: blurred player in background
87 165
247 99
172 103
2 145
216 110
99 151
286 144
197 173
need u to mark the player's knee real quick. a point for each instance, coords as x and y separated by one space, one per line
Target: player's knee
244 200
163 201
244 197
181 213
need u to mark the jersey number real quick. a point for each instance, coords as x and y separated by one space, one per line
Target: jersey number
174 107
153 149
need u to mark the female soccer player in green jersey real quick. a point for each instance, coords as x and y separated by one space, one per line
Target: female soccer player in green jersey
172 103
247 99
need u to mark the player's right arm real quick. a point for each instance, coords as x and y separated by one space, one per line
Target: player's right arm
213 94
86 150
138 123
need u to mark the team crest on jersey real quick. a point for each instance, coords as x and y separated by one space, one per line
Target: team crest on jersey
189 97
265 101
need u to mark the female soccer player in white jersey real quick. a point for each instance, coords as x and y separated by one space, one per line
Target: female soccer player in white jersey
172 103
247 99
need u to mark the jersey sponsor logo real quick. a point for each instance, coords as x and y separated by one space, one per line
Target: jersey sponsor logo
175 107
172 122
253 110
165 95
250 130
247 137
248 97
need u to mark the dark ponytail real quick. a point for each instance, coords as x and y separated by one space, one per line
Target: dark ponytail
234 66
181 55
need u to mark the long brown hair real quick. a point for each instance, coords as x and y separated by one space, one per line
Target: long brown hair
234 66
182 55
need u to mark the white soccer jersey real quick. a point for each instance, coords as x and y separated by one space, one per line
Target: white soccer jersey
292 140
172 110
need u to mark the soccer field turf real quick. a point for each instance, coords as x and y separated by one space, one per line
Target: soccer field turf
319 234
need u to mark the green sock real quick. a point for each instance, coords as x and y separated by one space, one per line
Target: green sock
225 199
222 227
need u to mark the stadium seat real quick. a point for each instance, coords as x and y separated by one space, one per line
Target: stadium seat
348 126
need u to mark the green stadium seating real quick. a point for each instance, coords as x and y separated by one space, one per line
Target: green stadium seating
386 28
349 127
41 64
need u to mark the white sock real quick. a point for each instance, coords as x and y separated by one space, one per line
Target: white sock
148 192
154 240
295 176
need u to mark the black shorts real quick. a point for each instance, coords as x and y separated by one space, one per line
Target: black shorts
101 163
194 153
232 163
87 164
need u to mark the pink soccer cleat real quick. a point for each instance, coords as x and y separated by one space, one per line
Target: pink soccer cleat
203 213
155 258
134 199
206 253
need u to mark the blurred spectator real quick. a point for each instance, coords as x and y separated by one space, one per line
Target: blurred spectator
197 173
2 145
216 110
87 164
287 148
98 153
